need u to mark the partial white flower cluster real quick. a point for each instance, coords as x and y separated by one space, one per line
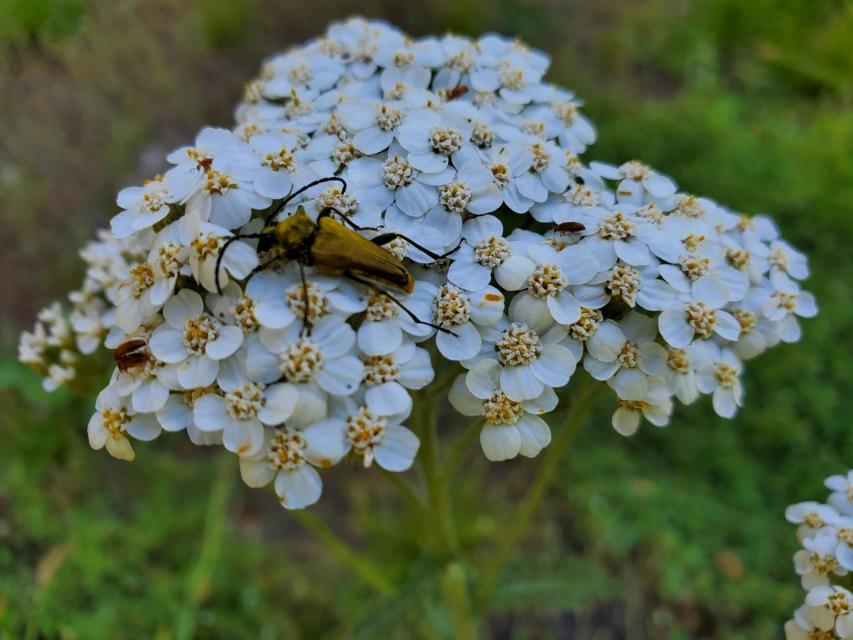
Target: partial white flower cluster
463 163
63 336
825 531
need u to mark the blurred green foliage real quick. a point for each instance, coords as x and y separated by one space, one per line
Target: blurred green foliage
670 534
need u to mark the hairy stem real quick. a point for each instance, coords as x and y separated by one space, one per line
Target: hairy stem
554 454
363 568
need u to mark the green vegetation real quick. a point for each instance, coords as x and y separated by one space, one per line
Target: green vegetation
670 534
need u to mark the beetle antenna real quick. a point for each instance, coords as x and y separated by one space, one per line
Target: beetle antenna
408 311
292 194
222 255
385 238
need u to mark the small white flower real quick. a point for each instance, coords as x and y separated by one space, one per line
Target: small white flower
322 358
547 298
194 340
701 318
287 458
636 179
278 170
546 173
484 252
656 407
177 415
842 492
784 305
459 313
511 427
718 372
115 420
831 607
532 361
238 261
143 207
241 413
386 378
374 436
625 354
817 560
431 139
811 516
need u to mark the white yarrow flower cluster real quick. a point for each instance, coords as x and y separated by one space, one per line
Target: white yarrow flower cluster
443 147
825 531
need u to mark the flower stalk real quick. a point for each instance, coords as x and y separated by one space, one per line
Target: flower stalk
556 452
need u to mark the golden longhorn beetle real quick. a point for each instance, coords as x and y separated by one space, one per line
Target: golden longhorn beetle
335 250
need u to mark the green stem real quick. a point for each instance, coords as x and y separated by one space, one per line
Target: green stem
365 570
211 547
554 454
454 593
460 446
407 493
436 482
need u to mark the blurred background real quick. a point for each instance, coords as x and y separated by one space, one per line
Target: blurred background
675 533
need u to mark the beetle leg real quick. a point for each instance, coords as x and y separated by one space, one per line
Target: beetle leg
292 194
222 254
306 302
408 311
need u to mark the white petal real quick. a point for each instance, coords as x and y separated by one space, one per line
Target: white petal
256 473
674 328
243 437
397 450
341 377
564 308
483 378
175 415
279 403
167 345
500 442
299 488
150 396
535 435
379 338
197 371
143 426
388 399
184 305
519 383
209 413
606 343
625 422
462 346
578 264
630 384
463 400
227 342
554 366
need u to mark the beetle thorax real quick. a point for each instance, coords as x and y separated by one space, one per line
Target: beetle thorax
295 231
